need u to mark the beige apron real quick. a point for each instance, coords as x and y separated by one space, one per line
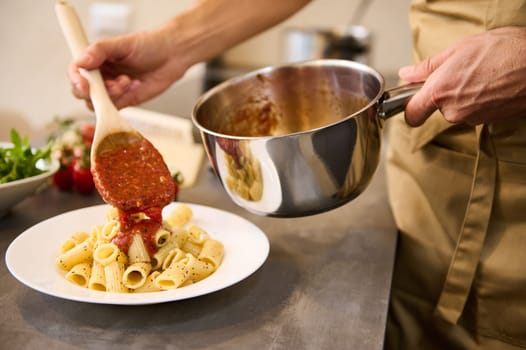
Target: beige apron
458 195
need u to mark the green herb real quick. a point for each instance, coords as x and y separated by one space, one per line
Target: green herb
178 177
19 160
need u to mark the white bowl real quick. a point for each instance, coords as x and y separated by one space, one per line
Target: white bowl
13 192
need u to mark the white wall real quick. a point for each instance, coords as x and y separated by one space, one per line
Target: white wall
34 56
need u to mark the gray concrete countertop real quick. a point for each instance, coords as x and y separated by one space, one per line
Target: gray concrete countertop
325 285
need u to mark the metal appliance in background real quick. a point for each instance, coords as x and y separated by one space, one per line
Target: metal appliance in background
352 42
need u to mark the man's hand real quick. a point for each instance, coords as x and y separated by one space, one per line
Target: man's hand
480 79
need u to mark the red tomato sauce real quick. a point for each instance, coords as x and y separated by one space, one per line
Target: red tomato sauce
146 228
134 179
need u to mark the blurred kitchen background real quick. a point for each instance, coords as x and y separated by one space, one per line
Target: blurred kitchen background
34 55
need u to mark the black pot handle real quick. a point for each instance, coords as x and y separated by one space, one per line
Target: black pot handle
394 100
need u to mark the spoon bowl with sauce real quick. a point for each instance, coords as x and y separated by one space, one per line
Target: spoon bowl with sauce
128 171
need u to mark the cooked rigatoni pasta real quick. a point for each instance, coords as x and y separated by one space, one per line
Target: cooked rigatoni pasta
109 230
197 269
113 272
75 239
174 275
180 216
106 253
82 252
182 254
136 274
212 252
173 256
160 256
150 285
112 214
97 279
180 236
196 237
137 252
79 274
162 237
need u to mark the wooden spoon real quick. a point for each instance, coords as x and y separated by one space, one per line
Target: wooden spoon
128 171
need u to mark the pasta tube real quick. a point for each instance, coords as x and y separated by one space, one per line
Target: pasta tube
173 256
212 252
180 236
149 285
197 234
137 252
109 230
162 253
174 276
113 274
76 255
106 253
75 239
112 214
196 237
79 274
197 269
180 216
136 274
95 233
97 281
192 248
162 237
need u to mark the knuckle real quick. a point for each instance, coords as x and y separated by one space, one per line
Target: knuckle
428 65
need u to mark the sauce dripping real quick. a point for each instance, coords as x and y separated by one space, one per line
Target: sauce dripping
145 227
135 179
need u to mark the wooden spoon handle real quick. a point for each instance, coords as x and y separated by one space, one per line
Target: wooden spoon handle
108 118
77 41
71 28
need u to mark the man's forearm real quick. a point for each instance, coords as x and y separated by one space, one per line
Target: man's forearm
209 27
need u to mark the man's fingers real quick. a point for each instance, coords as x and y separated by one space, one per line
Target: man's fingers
420 107
422 70
130 95
424 102
93 57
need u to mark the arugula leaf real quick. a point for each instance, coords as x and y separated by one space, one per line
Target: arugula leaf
19 161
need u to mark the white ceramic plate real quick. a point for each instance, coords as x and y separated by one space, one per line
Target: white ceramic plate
31 256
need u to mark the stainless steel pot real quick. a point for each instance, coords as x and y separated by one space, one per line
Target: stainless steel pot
297 139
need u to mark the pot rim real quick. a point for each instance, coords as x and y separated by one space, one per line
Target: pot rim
265 70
